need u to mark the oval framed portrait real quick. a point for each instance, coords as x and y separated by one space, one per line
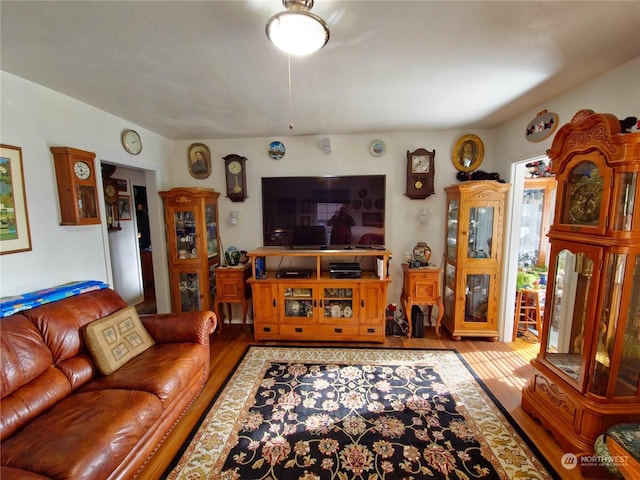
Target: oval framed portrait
468 153
199 160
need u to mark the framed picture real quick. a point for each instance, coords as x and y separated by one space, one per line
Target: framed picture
468 153
121 184
199 160
124 207
14 220
372 219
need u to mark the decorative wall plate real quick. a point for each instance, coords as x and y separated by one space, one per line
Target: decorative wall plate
542 126
377 148
276 150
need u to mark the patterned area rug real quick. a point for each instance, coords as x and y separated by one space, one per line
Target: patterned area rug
355 413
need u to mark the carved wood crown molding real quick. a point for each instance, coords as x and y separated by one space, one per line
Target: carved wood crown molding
582 115
183 199
587 130
598 134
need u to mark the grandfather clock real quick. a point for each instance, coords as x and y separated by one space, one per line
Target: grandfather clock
586 377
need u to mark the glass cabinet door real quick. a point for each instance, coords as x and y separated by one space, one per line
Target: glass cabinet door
190 291
338 303
480 230
449 290
476 300
573 285
618 274
211 232
185 234
452 229
298 303
626 196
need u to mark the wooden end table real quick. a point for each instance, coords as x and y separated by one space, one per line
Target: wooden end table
422 287
232 287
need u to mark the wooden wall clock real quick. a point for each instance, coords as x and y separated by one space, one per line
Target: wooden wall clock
236 177
420 173
77 190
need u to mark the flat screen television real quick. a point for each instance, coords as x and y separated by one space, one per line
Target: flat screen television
324 212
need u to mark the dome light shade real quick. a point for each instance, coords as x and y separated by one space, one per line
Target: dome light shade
297 31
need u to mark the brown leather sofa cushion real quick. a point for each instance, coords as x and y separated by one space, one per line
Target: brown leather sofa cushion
164 370
29 383
114 421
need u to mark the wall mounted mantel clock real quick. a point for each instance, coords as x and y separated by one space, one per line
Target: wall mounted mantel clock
110 191
420 173
236 177
77 187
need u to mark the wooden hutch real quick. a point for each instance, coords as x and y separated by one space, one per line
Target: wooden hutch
193 246
586 377
473 255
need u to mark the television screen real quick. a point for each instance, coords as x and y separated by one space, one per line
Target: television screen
341 211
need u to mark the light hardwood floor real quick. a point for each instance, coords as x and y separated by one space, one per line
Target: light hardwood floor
504 368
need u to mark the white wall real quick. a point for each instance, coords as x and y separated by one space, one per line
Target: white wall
35 119
616 92
349 155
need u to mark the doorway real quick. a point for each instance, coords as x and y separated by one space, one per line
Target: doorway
148 305
530 216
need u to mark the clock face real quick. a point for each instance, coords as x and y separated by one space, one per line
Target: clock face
110 191
584 206
82 170
420 164
132 142
234 167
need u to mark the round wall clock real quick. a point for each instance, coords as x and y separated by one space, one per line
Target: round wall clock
377 148
131 141
276 150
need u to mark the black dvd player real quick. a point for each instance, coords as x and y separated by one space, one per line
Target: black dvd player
345 270
294 273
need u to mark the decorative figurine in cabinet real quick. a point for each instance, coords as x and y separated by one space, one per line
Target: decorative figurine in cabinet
586 377
193 246
475 216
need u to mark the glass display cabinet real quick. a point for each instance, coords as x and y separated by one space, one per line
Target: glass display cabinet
475 212
586 377
193 246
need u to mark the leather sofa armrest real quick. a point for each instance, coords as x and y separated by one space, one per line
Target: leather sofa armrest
191 327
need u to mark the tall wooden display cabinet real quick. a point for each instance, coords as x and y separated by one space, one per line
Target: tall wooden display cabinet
586 377
193 246
475 217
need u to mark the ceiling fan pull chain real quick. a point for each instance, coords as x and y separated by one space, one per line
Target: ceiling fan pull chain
290 109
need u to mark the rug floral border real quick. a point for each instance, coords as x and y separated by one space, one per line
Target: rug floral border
209 444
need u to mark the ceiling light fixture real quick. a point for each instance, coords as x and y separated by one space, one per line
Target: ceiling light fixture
297 31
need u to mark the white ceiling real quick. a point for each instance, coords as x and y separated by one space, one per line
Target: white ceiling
205 70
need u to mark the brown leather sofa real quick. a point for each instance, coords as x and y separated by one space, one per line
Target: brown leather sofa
61 419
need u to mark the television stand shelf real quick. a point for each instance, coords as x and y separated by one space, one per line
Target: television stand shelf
319 307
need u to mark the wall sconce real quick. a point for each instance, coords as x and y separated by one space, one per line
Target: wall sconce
326 145
423 215
233 218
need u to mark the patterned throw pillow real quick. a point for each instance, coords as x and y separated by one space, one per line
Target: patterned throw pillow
114 340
